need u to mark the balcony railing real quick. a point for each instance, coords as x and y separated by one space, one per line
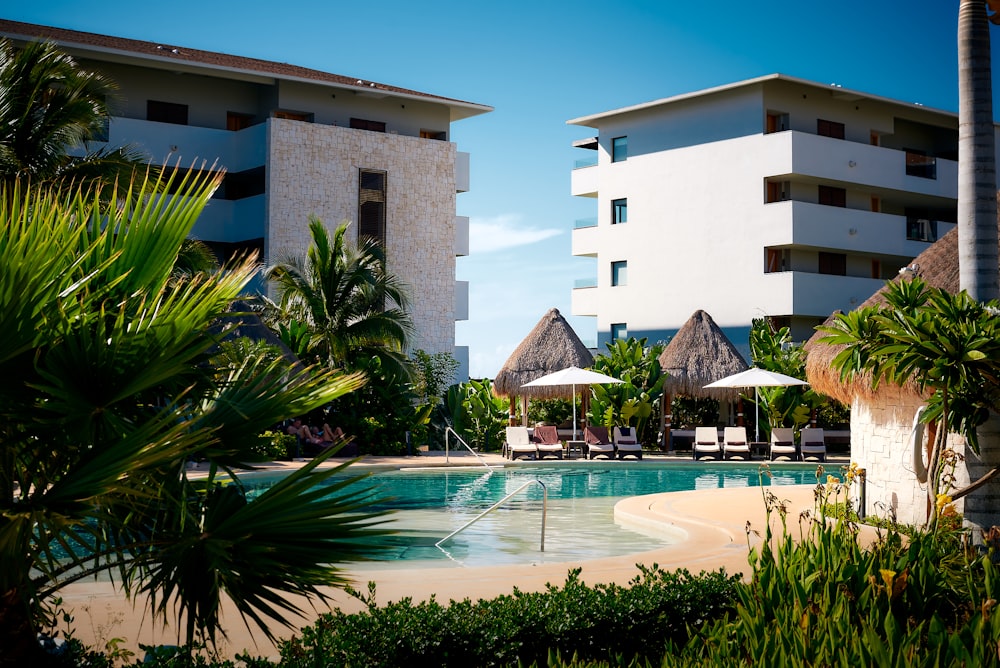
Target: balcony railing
589 161
581 223
585 282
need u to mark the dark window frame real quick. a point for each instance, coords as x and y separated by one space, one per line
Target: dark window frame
619 148
619 211
160 111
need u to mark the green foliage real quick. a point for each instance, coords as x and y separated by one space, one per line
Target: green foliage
593 622
274 445
832 414
632 402
550 411
108 386
947 345
485 415
774 350
432 374
691 412
824 600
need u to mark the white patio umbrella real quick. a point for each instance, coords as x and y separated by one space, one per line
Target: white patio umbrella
754 377
570 377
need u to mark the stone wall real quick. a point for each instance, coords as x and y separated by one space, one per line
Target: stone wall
313 170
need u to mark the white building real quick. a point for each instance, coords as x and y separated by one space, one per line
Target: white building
298 142
772 197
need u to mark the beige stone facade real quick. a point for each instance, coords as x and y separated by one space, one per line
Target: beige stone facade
313 171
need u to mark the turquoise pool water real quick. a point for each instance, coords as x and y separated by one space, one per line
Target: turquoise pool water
428 504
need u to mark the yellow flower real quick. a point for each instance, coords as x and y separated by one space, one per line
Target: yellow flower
830 480
942 501
887 577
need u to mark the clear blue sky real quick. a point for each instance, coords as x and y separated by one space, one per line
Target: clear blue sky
540 64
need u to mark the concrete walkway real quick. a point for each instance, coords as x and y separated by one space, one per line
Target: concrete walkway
715 521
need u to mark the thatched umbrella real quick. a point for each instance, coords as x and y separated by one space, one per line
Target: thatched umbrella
938 267
552 345
698 354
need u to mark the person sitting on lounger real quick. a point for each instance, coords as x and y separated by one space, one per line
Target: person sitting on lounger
303 432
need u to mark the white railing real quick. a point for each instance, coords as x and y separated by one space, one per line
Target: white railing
447 432
545 501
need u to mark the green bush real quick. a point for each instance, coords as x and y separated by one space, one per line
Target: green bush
596 622
273 445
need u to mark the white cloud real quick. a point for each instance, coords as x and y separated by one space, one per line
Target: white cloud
488 235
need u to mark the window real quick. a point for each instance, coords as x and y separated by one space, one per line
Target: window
918 163
362 124
236 121
433 134
619 273
619 211
876 268
921 229
166 112
833 263
619 149
294 115
619 331
240 185
830 196
777 259
776 122
371 204
876 203
829 129
778 191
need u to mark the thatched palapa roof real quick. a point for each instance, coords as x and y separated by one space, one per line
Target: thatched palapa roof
938 267
699 354
552 345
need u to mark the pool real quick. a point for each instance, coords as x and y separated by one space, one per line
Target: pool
428 504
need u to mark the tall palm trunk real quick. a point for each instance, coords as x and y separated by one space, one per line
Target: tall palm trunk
977 208
977 223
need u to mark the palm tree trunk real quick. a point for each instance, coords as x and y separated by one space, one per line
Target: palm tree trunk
977 207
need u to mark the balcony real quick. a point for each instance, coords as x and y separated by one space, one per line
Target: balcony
461 300
806 224
824 158
583 301
586 241
461 236
581 223
815 295
236 151
231 220
583 182
461 172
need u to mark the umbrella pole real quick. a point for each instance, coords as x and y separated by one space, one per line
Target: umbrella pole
756 412
573 399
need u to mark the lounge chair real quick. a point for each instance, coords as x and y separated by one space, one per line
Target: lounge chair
518 443
812 444
626 442
783 443
735 444
706 443
546 439
598 442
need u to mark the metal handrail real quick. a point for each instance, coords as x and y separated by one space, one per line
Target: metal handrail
545 503
448 430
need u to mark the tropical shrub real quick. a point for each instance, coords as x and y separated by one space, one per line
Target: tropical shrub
476 414
774 350
691 412
632 402
108 386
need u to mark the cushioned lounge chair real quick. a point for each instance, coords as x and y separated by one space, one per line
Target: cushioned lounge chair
706 443
626 442
783 443
598 442
546 439
735 444
518 443
812 444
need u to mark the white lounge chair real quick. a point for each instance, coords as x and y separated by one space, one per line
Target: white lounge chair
706 443
626 442
518 443
812 444
783 443
598 442
546 439
735 444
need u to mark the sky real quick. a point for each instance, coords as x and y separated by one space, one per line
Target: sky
540 64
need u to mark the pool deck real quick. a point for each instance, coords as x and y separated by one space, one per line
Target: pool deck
716 523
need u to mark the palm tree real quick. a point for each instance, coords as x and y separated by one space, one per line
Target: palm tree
108 388
354 308
979 274
50 108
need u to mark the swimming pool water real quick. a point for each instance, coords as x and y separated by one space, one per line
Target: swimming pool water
428 504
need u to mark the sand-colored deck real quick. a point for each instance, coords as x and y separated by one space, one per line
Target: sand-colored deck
715 522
